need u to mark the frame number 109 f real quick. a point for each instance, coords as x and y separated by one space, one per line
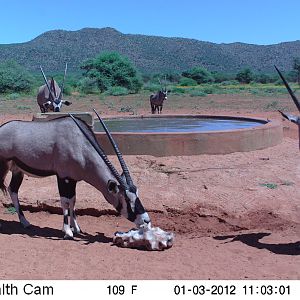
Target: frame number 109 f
120 289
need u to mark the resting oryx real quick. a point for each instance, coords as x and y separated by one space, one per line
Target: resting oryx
294 119
49 97
72 154
157 100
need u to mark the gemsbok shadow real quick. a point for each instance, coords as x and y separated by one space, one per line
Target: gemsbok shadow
252 240
35 231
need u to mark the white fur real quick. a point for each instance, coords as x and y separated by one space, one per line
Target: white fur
57 105
73 222
65 202
142 219
132 197
153 238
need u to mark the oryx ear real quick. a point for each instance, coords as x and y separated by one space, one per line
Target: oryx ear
112 186
66 102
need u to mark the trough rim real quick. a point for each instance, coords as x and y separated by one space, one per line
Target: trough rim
265 124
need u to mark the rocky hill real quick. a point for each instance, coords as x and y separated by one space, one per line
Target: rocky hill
149 53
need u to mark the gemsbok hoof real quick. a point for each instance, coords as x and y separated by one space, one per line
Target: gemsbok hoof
68 237
75 230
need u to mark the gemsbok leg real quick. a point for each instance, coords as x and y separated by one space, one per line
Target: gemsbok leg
152 109
13 189
67 192
73 222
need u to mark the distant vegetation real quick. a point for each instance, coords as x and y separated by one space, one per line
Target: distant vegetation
14 78
113 73
296 67
110 73
199 75
107 62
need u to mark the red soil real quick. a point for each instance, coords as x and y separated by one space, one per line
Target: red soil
229 223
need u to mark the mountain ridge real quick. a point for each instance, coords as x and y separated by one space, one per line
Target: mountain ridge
149 54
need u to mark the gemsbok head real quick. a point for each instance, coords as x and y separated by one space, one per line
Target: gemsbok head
49 97
292 118
73 154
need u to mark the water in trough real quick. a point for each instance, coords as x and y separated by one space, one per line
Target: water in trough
178 124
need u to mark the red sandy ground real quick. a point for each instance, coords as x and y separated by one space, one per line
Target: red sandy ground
228 224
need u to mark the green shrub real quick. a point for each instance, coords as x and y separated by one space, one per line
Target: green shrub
209 90
262 78
117 91
244 76
229 82
152 87
200 75
111 69
221 77
14 78
184 81
271 186
12 96
278 82
296 68
178 90
88 86
197 93
67 90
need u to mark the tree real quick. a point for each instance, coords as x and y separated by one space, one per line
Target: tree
244 76
199 74
170 76
184 81
296 67
14 78
111 69
221 77
262 78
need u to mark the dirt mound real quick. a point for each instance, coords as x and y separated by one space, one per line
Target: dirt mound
200 221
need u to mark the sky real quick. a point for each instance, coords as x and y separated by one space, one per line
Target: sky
261 22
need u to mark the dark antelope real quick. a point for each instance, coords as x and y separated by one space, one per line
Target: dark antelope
157 100
72 154
49 97
294 119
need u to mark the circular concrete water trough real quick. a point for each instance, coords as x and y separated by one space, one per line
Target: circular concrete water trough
177 136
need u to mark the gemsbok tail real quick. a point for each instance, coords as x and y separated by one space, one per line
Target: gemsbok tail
3 171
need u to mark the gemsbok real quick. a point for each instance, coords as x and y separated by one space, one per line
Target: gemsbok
49 97
157 100
294 119
71 154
